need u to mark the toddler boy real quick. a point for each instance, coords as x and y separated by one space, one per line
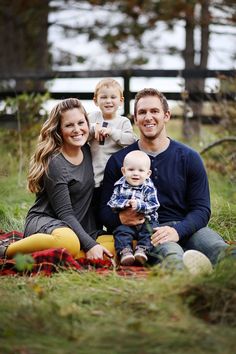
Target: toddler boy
109 131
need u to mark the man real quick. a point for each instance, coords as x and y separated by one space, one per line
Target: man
182 187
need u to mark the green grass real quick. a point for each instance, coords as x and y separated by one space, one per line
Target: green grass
223 196
14 204
86 313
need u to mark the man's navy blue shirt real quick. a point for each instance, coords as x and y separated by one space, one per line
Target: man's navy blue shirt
182 187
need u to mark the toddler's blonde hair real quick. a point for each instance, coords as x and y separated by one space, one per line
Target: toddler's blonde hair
108 82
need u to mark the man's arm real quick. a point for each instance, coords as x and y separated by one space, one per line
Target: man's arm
197 205
197 198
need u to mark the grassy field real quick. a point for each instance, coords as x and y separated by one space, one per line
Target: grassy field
72 312
93 314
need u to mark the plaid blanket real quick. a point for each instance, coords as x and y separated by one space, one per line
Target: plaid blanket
54 260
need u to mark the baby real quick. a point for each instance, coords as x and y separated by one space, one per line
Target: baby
135 190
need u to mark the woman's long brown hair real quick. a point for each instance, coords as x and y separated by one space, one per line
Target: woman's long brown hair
49 142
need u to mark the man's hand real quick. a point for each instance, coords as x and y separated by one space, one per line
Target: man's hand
164 234
130 217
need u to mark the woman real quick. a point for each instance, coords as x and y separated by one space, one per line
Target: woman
61 175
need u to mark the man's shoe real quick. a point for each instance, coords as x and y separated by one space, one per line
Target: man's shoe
140 255
126 257
196 262
3 251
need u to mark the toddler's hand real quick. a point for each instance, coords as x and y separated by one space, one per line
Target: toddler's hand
101 132
105 132
97 131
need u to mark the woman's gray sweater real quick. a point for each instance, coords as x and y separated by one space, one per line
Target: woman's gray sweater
65 200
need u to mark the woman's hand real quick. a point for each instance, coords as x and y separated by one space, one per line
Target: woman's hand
164 234
130 217
97 252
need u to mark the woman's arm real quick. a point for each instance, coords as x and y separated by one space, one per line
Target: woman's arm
56 187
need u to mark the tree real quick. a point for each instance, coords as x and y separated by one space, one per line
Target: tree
128 29
195 17
23 40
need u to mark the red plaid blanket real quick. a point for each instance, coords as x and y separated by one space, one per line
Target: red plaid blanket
58 259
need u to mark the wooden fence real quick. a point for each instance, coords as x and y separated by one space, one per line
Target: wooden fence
127 75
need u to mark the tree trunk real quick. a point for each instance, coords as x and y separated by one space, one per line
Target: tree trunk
195 60
23 39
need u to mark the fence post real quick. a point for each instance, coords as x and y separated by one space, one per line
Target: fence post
127 94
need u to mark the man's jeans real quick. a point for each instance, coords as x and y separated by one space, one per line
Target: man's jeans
204 240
